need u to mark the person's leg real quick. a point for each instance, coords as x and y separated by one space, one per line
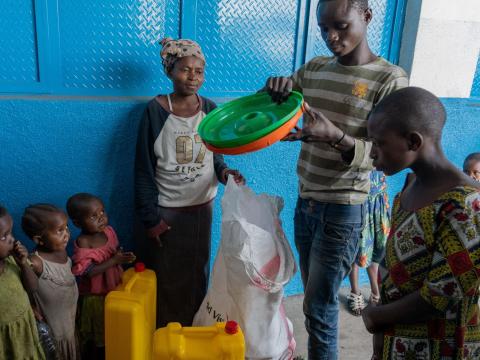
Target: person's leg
303 237
333 251
174 264
355 299
353 278
372 272
201 266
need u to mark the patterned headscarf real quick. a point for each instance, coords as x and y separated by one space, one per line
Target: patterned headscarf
172 50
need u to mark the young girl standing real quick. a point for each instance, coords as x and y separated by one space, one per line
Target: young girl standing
57 293
176 180
96 260
372 243
18 331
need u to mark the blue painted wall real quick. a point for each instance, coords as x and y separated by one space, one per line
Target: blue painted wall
56 147
53 147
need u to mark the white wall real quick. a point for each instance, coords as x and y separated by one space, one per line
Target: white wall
440 45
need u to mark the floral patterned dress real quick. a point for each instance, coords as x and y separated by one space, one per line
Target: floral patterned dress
436 249
377 223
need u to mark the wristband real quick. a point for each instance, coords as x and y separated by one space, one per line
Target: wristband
335 144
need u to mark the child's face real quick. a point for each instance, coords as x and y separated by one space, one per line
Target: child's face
187 75
343 26
57 234
473 170
6 238
390 152
94 218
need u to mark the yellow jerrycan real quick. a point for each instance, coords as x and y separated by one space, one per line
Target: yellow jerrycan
130 315
222 341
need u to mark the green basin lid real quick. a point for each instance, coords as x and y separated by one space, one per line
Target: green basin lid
247 119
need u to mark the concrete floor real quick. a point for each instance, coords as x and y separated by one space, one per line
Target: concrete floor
354 341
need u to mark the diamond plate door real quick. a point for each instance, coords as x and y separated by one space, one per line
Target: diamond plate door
18 43
111 47
245 42
380 30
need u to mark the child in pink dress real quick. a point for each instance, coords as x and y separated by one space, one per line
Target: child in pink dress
96 261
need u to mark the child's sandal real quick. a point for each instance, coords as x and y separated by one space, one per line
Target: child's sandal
374 299
356 303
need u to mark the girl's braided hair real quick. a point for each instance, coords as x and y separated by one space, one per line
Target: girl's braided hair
34 218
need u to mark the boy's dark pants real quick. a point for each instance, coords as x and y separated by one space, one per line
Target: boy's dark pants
327 238
182 264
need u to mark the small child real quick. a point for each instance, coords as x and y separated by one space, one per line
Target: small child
176 180
18 331
372 243
57 293
471 166
96 260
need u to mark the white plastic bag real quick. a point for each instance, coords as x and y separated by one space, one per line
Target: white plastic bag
253 263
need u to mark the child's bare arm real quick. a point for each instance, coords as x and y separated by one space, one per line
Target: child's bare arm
119 258
36 264
29 278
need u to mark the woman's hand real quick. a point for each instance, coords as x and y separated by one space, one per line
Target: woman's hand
237 176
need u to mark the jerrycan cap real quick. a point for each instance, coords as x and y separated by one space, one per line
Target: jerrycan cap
139 267
231 327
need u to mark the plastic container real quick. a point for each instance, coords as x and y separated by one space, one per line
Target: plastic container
130 316
222 341
248 119
261 143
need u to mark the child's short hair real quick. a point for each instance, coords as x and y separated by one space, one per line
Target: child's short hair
77 204
413 109
34 218
471 158
359 4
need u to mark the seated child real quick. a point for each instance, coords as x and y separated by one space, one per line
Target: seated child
471 166
57 294
96 260
430 275
18 331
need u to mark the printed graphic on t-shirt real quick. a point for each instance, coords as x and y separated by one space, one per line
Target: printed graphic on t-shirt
190 153
359 92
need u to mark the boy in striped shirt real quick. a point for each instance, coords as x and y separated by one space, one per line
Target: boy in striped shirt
334 163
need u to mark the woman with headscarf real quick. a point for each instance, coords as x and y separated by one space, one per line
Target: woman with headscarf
176 179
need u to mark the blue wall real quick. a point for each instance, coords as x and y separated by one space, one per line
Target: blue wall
55 146
52 149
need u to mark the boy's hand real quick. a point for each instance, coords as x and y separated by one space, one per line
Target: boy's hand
377 346
368 319
20 254
316 128
121 257
279 88
237 176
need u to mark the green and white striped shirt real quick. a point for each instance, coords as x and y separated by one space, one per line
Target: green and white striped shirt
345 95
